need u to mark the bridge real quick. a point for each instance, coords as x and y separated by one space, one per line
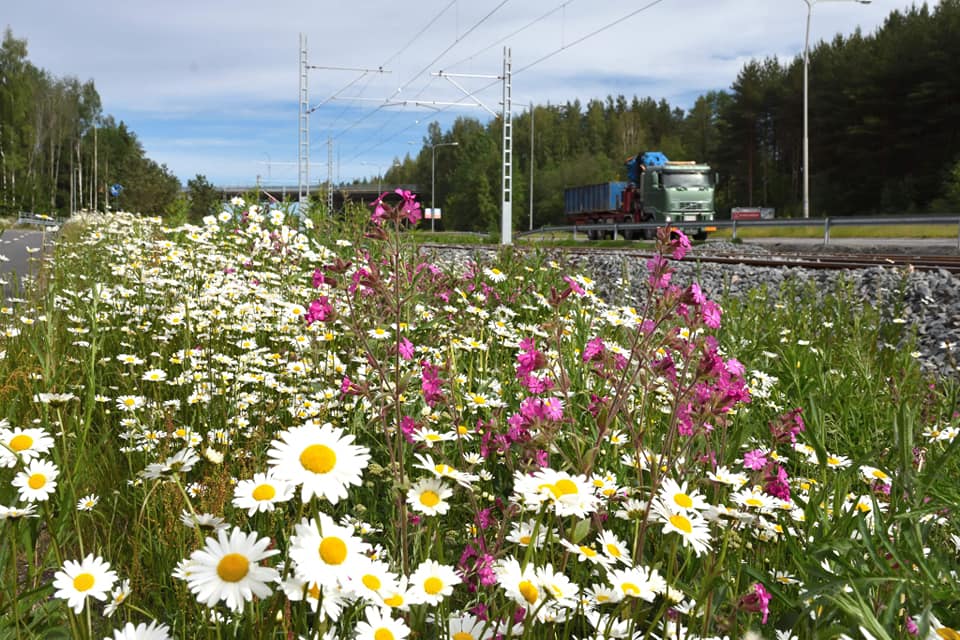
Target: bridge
356 193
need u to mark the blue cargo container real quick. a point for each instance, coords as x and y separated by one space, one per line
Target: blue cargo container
593 198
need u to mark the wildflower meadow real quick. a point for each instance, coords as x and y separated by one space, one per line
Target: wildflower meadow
279 426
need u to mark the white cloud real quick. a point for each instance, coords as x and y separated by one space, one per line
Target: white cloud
157 64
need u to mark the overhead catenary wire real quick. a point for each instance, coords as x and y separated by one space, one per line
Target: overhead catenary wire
526 67
386 101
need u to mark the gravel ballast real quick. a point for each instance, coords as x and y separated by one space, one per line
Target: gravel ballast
927 300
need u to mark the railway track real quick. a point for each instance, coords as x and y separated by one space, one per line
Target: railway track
836 261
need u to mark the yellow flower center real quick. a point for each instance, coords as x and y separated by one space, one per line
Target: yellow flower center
233 567
462 635
333 550
754 502
264 492
433 585
21 442
314 591
588 551
832 460
529 591
37 481
318 458
83 582
948 634
383 634
565 486
630 589
681 522
371 582
524 539
443 469
683 500
879 475
393 601
613 550
429 498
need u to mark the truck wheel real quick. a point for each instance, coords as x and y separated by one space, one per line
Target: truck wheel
593 235
628 234
700 235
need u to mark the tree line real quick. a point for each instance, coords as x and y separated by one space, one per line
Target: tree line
59 152
884 113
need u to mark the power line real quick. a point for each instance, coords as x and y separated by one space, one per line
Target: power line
455 42
513 33
549 55
589 35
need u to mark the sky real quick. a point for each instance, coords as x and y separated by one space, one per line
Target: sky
211 87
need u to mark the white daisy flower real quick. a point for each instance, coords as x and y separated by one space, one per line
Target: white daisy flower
142 631
325 552
25 444
117 597
87 503
91 577
228 569
37 481
380 626
321 459
637 582
678 498
429 497
431 582
262 493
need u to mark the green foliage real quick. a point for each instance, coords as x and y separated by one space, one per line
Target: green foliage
203 196
52 129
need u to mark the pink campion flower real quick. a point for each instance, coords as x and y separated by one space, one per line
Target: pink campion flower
680 244
694 294
379 210
405 349
410 206
574 286
711 314
755 459
659 273
318 278
407 426
911 625
777 482
430 383
593 350
320 309
552 408
786 427
541 458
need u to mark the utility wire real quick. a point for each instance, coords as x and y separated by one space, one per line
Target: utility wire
513 33
549 55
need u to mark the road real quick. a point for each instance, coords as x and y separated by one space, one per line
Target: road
20 251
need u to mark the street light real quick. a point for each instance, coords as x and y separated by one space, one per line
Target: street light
433 180
806 124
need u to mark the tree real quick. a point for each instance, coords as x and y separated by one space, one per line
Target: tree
204 197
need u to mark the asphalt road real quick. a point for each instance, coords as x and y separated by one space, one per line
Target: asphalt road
20 251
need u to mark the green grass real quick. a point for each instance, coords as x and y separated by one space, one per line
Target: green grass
220 313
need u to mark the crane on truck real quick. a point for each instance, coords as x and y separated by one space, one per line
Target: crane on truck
658 190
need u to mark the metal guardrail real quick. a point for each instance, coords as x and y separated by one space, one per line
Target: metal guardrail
37 219
825 223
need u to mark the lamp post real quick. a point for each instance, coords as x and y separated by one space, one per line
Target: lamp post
806 122
433 180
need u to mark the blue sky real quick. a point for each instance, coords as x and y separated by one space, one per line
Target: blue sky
211 87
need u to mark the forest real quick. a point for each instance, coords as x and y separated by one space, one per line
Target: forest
885 139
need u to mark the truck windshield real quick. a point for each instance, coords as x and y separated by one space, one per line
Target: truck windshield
687 180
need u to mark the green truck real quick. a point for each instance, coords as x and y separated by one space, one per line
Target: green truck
658 191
